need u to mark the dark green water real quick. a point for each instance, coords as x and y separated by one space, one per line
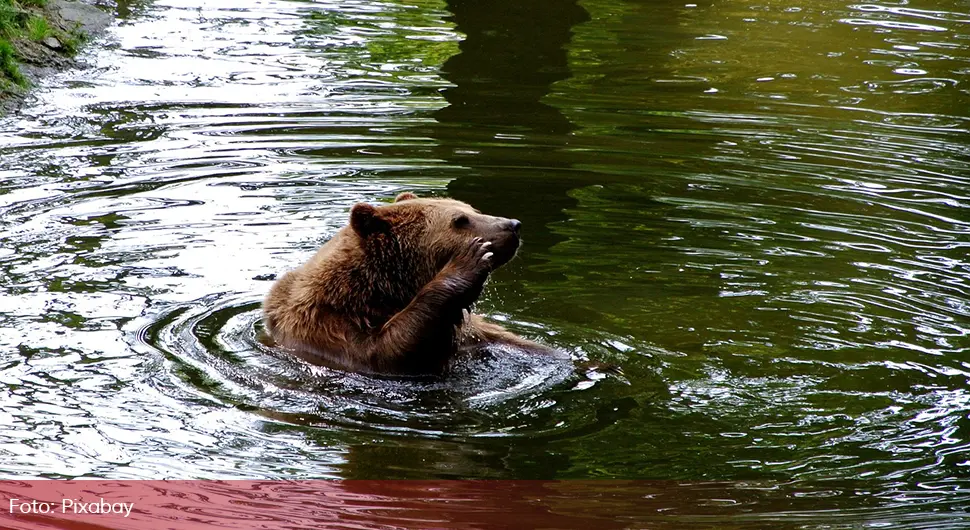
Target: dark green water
760 211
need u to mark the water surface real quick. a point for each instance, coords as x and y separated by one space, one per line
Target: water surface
759 211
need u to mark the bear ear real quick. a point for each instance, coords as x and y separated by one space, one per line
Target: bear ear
366 220
406 196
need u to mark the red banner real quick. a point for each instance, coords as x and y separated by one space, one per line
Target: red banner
359 504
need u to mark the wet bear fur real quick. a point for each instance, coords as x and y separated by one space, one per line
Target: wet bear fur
391 292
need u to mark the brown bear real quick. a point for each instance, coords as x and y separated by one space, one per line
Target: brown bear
391 293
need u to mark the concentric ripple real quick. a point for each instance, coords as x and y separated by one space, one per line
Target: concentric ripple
214 345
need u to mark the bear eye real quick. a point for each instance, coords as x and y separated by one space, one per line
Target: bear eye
461 221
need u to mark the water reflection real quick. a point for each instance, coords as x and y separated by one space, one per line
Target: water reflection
497 124
509 59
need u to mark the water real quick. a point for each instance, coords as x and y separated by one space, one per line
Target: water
757 210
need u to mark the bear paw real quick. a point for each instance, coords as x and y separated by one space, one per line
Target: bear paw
475 260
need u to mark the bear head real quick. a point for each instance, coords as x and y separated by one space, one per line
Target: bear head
425 233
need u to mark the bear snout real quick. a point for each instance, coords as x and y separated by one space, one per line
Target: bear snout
505 246
514 225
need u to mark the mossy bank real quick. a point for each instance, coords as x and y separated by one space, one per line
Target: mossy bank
39 37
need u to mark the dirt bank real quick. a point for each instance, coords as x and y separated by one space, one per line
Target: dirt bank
40 37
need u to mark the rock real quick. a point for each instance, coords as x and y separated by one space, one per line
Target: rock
90 19
52 43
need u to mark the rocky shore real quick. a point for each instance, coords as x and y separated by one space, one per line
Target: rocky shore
40 37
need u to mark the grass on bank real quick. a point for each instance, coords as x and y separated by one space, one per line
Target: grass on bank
13 21
9 68
38 29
